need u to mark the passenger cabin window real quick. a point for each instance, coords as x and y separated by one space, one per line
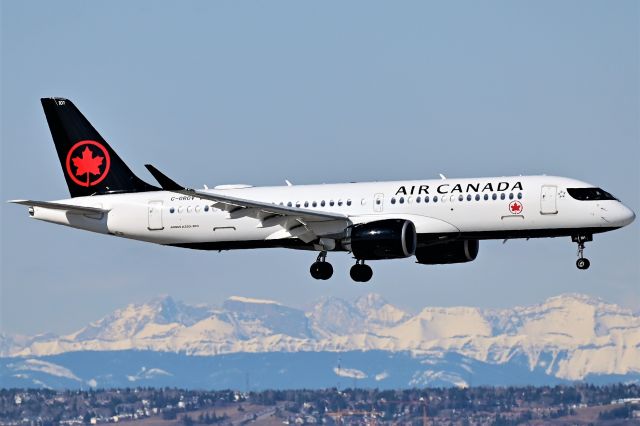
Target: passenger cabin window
590 194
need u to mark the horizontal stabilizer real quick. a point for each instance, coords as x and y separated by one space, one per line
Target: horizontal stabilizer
60 206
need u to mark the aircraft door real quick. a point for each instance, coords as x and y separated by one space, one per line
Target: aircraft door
155 216
548 199
378 202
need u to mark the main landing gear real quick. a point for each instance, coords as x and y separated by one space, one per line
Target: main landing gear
360 272
582 262
321 269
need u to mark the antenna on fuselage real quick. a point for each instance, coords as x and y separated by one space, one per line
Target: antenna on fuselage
443 177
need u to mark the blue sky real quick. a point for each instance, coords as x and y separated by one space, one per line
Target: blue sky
259 92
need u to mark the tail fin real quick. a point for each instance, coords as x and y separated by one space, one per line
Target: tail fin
89 164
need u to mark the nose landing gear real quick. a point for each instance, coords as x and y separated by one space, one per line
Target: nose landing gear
321 269
360 272
582 262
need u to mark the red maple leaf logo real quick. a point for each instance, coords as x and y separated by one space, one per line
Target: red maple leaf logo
515 207
87 164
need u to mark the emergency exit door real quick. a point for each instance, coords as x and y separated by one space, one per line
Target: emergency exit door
155 216
548 199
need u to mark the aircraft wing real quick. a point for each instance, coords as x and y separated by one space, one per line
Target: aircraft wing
296 221
59 206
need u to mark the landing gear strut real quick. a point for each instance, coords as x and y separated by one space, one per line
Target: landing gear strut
321 269
582 262
360 272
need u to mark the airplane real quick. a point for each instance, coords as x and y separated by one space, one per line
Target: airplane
437 221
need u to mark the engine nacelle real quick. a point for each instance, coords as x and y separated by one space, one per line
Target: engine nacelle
458 251
382 239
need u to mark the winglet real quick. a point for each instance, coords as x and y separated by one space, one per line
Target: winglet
165 182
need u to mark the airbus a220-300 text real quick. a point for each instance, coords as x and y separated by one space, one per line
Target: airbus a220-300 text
435 221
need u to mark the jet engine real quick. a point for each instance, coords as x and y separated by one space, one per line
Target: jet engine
458 251
382 239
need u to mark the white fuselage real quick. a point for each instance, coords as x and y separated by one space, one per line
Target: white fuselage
508 207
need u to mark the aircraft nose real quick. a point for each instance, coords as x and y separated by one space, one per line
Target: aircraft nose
623 215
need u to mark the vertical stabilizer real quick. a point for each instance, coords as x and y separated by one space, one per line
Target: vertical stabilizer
89 164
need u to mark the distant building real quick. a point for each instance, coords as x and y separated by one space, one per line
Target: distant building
626 401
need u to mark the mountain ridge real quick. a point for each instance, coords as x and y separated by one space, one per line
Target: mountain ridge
569 337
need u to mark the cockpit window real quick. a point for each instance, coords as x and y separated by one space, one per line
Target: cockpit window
589 194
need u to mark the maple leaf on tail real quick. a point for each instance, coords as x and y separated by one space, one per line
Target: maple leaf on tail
87 164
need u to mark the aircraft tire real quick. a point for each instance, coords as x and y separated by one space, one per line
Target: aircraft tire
326 270
583 263
361 273
321 270
316 270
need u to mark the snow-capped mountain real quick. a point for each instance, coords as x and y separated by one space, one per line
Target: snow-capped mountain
568 337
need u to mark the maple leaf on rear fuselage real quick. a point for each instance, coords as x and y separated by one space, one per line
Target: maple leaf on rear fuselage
87 163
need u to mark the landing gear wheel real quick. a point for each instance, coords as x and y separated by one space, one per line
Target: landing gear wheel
321 269
361 273
583 263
